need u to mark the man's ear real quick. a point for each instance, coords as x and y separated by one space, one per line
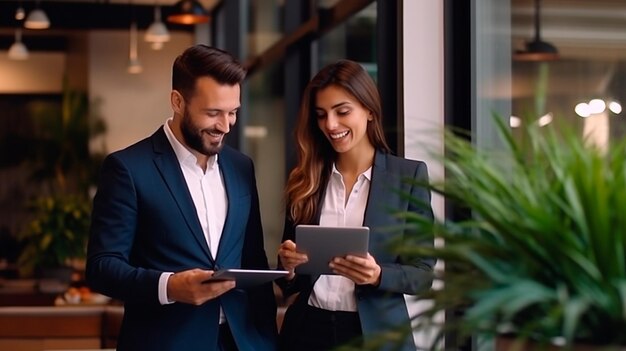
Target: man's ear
177 102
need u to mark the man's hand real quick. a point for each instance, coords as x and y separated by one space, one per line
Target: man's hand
189 287
289 258
361 270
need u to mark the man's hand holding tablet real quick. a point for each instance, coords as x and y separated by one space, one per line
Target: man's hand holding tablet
245 278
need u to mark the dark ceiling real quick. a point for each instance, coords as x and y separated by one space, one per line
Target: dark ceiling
98 14
67 17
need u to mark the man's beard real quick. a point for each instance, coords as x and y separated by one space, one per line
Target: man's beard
193 137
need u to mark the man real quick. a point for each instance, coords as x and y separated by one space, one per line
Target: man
177 206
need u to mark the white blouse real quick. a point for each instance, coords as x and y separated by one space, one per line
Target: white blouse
334 292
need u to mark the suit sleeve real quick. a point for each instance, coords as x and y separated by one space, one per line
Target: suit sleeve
114 220
411 275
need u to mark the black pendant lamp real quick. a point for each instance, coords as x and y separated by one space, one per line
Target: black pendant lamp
188 12
537 49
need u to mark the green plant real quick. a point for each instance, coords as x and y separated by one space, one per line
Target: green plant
57 155
59 152
57 234
542 253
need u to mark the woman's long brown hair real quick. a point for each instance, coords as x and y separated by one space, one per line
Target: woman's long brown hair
315 154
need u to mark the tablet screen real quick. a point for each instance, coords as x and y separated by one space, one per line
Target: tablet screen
322 244
247 277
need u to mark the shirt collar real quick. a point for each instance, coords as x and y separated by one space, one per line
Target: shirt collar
367 174
183 154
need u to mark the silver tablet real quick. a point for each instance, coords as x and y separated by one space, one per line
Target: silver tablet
245 278
322 244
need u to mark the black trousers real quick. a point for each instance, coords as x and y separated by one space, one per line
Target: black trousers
225 340
320 329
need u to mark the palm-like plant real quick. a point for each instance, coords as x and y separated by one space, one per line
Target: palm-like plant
57 234
62 167
60 149
543 254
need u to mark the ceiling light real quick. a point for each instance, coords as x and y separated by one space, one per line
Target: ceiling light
157 33
596 106
537 49
156 45
20 14
18 50
37 19
582 109
615 107
188 12
545 119
134 65
515 122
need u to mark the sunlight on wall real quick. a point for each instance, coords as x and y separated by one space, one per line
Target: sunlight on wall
42 72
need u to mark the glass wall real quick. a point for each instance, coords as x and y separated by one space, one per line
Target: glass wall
584 87
270 99
354 39
264 142
581 88
263 133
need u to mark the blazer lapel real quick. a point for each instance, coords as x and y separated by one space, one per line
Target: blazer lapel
231 183
373 215
169 167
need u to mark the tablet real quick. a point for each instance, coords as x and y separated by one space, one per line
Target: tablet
322 244
245 278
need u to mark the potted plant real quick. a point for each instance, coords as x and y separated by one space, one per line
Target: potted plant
541 255
59 151
62 166
56 236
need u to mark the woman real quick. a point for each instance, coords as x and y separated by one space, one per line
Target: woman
346 176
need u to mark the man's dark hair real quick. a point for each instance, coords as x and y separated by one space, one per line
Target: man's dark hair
202 61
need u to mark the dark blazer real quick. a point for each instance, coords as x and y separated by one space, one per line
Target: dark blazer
144 223
380 308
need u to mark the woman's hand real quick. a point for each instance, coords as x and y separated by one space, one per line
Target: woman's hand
361 270
289 258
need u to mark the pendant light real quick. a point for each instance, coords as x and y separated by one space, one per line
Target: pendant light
18 50
134 65
20 14
37 19
188 12
157 34
537 49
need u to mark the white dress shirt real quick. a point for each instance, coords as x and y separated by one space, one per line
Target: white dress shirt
208 194
334 292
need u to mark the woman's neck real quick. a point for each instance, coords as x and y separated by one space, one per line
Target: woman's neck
355 162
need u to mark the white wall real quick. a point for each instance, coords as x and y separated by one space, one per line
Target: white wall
42 72
423 85
133 105
424 101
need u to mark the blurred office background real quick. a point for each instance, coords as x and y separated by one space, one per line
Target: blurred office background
437 62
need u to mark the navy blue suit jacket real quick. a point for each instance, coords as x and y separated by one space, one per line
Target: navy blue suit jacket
380 308
144 223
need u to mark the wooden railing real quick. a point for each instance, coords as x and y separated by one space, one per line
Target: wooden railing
71 327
